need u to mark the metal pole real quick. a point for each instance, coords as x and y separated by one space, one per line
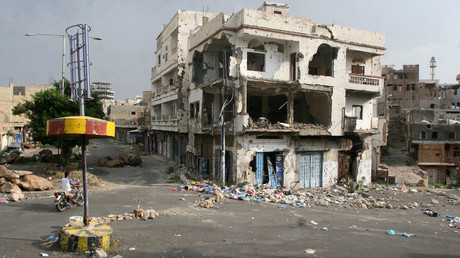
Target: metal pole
85 185
63 65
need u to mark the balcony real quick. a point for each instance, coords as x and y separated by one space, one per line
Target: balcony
364 79
165 121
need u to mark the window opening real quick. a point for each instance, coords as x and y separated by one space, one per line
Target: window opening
256 62
322 62
358 111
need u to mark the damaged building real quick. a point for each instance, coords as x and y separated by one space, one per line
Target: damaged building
264 97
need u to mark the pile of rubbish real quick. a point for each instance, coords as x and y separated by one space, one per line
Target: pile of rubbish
343 196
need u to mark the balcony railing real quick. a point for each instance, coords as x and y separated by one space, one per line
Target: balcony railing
365 80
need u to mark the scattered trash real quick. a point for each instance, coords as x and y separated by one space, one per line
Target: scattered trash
313 222
44 254
282 206
182 199
132 249
3 201
325 229
407 235
224 240
430 213
49 241
177 235
391 232
309 251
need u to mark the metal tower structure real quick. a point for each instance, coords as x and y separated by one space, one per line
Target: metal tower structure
432 66
80 83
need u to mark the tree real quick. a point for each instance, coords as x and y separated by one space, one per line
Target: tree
50 104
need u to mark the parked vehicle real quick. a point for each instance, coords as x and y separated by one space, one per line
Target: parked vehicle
62 201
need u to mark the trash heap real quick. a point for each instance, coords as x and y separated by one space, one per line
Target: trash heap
454 222
341 196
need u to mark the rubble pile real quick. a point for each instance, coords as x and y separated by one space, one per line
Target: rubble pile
264 123
143 215
14 182
340 196
121 160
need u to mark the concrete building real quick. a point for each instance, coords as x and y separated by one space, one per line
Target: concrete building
105 93
126 118
424 118
11 126
285 100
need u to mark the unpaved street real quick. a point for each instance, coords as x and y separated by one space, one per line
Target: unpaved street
233 228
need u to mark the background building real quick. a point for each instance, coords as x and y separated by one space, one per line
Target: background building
12 127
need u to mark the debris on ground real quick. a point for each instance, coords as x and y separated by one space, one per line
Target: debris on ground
344 195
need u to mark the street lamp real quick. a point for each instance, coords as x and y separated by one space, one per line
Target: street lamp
63 36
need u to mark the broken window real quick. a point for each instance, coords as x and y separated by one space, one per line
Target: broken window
456 152
322 62
312 108
256 58
423 135
358 111
194 110
434 135
293 67
357 69
256 62
273 108
198 69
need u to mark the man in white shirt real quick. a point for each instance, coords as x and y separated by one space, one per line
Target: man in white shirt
66 184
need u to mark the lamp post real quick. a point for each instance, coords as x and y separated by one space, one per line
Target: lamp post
63 36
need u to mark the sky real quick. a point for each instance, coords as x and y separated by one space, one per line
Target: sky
415 30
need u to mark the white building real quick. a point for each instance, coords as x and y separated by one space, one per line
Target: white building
298 99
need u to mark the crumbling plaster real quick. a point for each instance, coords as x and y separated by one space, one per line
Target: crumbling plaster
248 146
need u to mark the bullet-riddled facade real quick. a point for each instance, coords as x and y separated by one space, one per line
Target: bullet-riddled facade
296 100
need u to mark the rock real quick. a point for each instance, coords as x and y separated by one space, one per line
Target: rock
135 160
425 205
25 186
379 204
9 188
389 206
415 204
11 158
434 201
123 157
16 196
102 162
45 152
323 203
37 183
22 172
54 158
207 203
364 206
404 207
8 174
219 196
115 163
2 181
100 253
